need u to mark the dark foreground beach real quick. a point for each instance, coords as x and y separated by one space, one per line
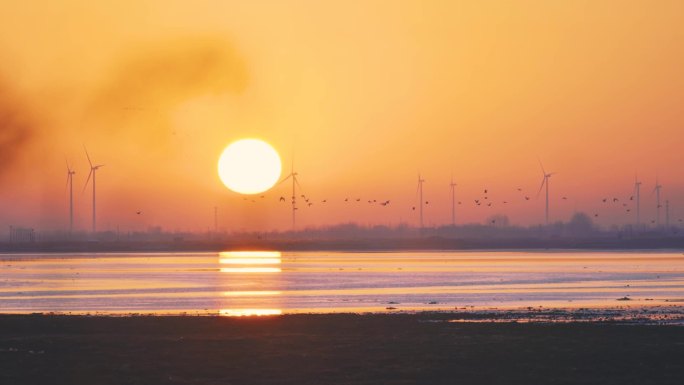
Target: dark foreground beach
422 348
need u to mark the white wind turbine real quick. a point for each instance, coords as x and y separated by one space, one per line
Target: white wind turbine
545 182
637 193
70 184
295 183
656 190
420 197
93 170
453 201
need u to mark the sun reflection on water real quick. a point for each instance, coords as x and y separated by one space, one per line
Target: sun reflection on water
249 312
245 262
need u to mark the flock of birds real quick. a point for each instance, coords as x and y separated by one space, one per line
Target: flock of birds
485 199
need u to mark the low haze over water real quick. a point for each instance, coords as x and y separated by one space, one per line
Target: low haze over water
239 283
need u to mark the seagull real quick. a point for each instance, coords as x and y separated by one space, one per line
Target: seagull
138 212
413 208
565 198
527 198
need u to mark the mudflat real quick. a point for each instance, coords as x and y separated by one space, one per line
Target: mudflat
423 348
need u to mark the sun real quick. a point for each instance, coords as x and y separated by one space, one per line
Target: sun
249 166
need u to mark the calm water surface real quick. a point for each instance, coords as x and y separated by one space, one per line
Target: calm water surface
274 283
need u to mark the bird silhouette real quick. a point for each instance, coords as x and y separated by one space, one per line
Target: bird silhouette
413 208
565 198
138 212
527 198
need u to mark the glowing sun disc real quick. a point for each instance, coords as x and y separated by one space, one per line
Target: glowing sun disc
249 166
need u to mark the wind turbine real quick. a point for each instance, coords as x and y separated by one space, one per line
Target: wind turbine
637 186
656 190
420 196
93 169
70 183
545 181
453 201
295 183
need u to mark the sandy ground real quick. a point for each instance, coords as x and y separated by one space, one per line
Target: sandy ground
334 349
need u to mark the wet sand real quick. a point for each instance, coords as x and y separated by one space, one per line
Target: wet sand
423 348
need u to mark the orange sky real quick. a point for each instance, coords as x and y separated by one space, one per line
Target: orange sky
367 93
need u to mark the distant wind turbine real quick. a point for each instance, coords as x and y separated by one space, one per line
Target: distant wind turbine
453 201
545 181
93 170
70 183
420 196
637 187
295 183
656 190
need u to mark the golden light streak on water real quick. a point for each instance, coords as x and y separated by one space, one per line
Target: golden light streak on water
249 312
250 254
250 293
250 270
250 261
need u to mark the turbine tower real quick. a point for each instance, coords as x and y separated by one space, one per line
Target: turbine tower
70 183
656 190
93 170
295 183
545 182
667 213
420 196
637 187
453 201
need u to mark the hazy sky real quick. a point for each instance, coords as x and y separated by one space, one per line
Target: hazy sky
366 93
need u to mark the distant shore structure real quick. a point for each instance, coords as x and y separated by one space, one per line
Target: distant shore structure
453 201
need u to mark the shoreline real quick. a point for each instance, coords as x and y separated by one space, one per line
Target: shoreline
354 245
333 349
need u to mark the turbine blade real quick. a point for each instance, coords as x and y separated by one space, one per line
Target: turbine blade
542 166
88 156
284 179
542 185
87 180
